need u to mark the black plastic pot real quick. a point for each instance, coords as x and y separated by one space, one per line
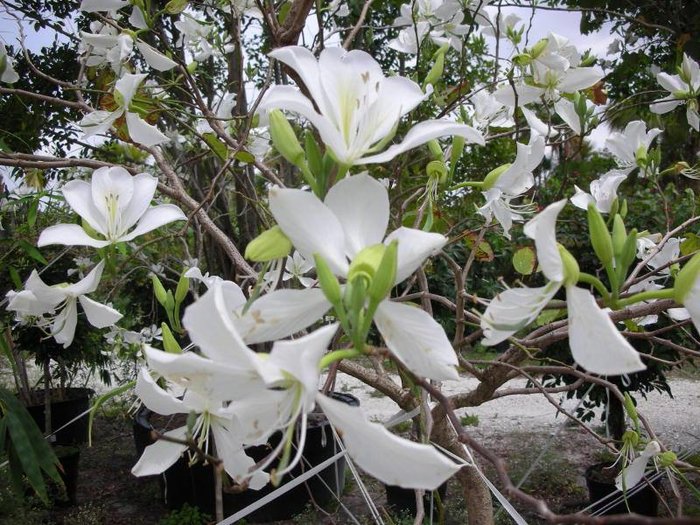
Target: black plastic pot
642 500
195 485
402 501
75 402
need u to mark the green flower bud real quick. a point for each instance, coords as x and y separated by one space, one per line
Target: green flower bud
457 150
183 286
159 290
3 63
383 280
622 207
437 169
629 252
539 48
313 152
600 236
667 459
169 302
571 269
641 156
435 149
619 235
192 67
522 60
175 7
631 409
366 263
269 245
436 71
492 176
328 281
686 278
169 343
285 140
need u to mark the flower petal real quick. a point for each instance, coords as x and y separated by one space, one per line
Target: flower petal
280 314
389 458
361 204
99 315
88 284
155 398
154 58
79 196
65 323
310 225
415 246
595 342
161 455
155 217
580 78
417 340
143 133
144 187
424 132
542 229
236 462
127 86
69 235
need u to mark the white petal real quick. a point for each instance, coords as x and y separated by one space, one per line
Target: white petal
526 94
63 327
137 19
543 230
69 235
581 199
99 315
424 132
281 313
161 455
144 186
537 125
664 105
154 58
415 246
310 225
389 458
691 301
155 398
580 78
305 64
155 217
236 462
595 342
417 340
257 417
27 303
514 309
361 204
670 83
98 122
92 6
78 195
566 110
143 133
51 295
634 472
127 86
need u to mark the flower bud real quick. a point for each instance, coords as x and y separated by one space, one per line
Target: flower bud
667 459
329 282
522 60
383 280
631 409
284 138
539 48
600 236
435 149
169 343
159 290
641 156
183 286
366 262
192 67
457 150
436 71
629 252
619 235
571 269
269 245
685 279
175 7
492 177
437 169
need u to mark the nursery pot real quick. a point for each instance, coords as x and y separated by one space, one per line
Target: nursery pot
195 485
66 404
600 479
402 501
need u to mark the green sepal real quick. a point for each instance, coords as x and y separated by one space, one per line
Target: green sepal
493 175
458 143
383 280
630 408
571 268
159 291
170 344
269 245
183 286
629 253
328 281
600 236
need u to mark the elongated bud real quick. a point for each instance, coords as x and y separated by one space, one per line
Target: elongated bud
629 252
685 279
3 63
456 153
436 71
619 235
328 281
631 409
641 156
175 7
492 176
183 286
435 149
571 269
269 245
523 59
315 159
169 302
169 343
600 236
159 290
539 48
623 208
284 138
383 280
192 67
366 262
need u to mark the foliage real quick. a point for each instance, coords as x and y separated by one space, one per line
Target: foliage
186 515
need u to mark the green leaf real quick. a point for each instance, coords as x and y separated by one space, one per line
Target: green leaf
219 148
16 280
32 251
175 7
484 252
691 244
31 214
525 261
245 157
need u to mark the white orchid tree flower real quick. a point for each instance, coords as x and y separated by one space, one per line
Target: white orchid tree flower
603 191
566 109
634 472
409 39
512 183
60 302
110 6
537 125
498 24
669 252
140 131
440 19
596 344
294 268
683 88
353 218
687 292
358 107
7 71
630 146
489 112
106 45
111 204
194 34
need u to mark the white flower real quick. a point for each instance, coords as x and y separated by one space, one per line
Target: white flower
111 6
595 342
506 23
684 89
490 112
111 205
139 130
194 34
295 267
8 73
441 19
359 108
634 472
631 146
38 299
603 191
669 252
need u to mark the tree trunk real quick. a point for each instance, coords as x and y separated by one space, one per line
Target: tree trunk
477 497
